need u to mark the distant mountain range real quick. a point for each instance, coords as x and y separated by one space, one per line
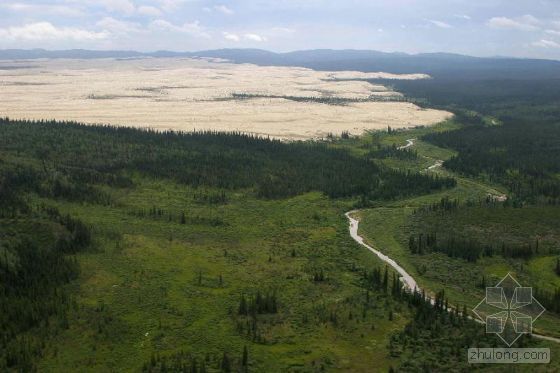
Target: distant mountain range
439 65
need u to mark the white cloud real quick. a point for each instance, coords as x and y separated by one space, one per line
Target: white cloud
231 37
546 44
162 25
192 28
43 9
527 18
525 23
128 7
47 31
219 8
463 16
553 32
150 11
254 37
170 5
248 37
440 24
223 9
122 6
115 26
282 30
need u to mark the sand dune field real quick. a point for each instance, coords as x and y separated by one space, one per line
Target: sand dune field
197 94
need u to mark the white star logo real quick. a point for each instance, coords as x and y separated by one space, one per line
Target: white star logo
518 310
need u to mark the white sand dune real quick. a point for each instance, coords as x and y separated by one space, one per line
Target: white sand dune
192 94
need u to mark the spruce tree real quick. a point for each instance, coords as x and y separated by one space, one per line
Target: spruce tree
243 305
245 359
386 279
225 366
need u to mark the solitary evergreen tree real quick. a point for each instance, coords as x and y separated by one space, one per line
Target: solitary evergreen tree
245 359
386 279
225 366
194 367
243 305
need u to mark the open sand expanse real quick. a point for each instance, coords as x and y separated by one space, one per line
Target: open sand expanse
196 94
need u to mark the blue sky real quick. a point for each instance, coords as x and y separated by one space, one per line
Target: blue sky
520 28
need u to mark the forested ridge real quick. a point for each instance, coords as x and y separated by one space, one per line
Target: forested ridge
36 247
77 156
36 262
523 156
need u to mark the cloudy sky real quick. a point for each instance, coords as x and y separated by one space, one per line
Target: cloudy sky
524 28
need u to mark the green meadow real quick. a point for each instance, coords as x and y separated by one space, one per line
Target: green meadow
151 285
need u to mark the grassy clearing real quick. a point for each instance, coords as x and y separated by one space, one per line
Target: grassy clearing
158 286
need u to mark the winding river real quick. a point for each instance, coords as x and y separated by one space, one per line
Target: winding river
409 283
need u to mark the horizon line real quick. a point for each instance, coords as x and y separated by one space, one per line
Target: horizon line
152 52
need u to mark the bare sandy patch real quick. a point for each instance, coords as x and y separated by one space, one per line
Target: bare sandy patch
347 75
191 94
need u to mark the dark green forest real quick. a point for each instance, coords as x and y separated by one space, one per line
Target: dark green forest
36 262
74 158
53 161
523 156
511 132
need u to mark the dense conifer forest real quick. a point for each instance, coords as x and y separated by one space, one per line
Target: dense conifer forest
523 156
36 247
518 147
75 157
45 163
